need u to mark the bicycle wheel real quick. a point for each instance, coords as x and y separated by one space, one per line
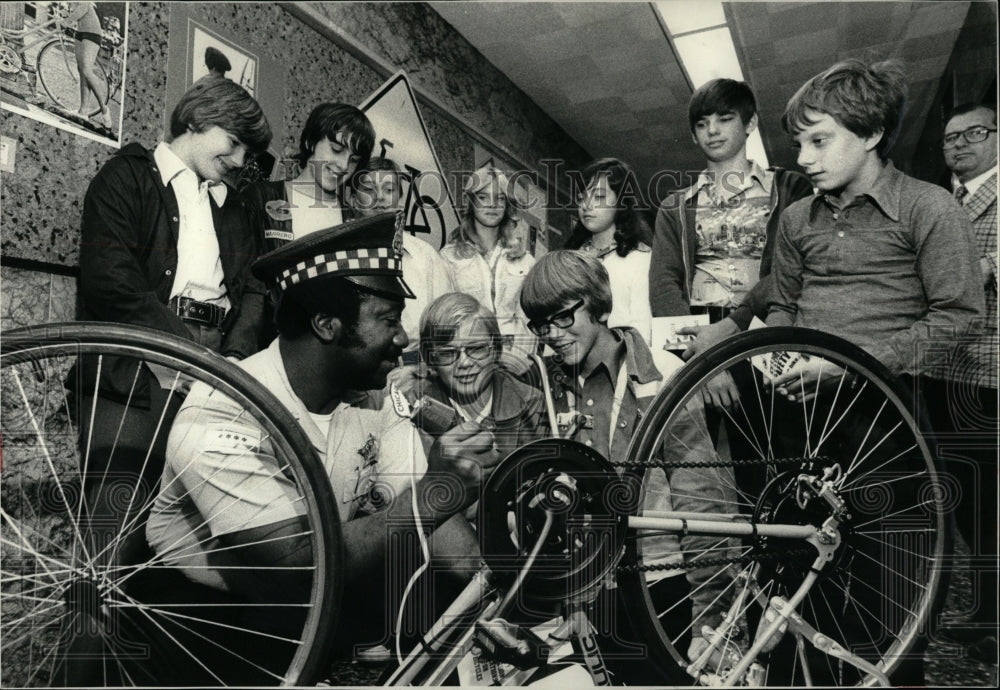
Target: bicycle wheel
58 74
85 600
876 595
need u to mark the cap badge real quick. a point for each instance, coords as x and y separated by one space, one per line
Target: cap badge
397 239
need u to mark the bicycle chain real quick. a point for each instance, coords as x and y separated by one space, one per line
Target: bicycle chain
711 562
667 464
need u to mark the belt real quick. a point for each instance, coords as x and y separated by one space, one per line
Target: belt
198 312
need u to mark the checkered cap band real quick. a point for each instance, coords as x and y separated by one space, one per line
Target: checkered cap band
348 262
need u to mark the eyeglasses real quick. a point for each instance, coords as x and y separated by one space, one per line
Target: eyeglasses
445 356
561 319
972 135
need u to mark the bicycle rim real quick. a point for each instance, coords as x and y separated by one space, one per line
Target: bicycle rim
84 599
879 593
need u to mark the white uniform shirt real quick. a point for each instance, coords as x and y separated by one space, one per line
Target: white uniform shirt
221 475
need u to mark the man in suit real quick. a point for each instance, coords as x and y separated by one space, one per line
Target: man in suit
962 397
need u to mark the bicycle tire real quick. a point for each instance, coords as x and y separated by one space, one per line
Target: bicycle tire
896 503
59 77
62 574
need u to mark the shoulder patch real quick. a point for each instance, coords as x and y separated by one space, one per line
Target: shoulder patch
278 210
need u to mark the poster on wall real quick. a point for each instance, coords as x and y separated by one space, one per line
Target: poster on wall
209 53
400 134
63 64
197 48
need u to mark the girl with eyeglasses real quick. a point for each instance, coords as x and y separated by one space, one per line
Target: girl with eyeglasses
608 227
467 372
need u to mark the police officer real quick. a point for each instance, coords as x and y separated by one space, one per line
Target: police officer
340 295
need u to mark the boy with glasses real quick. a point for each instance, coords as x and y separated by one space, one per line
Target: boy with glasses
467 377
603 379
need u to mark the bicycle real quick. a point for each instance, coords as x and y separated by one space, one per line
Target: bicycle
56 59
827 565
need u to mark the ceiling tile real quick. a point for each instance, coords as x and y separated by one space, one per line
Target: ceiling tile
597 68
789 50
661 98
752 29
803 18
927 19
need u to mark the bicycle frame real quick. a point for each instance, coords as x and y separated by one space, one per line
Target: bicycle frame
42 28
476 595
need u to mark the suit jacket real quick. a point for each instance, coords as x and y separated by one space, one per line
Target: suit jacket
981 364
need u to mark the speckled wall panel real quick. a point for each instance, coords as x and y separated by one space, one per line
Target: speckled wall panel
28 298
42 200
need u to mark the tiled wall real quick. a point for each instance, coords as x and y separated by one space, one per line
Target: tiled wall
42 199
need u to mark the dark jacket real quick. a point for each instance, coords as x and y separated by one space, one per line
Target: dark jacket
675 244
271 223
267 206
128 258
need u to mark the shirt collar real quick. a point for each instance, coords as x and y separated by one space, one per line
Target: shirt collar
170 166
638 358
884 193
764 178
614 360
975 183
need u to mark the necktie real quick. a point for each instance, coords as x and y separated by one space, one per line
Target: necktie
960 193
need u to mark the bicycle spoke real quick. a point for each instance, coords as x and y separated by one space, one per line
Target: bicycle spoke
48 460
857 479
182 620
60 549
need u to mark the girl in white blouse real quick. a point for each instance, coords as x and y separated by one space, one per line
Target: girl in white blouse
608 227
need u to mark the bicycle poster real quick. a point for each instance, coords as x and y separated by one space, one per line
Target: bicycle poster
45 47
